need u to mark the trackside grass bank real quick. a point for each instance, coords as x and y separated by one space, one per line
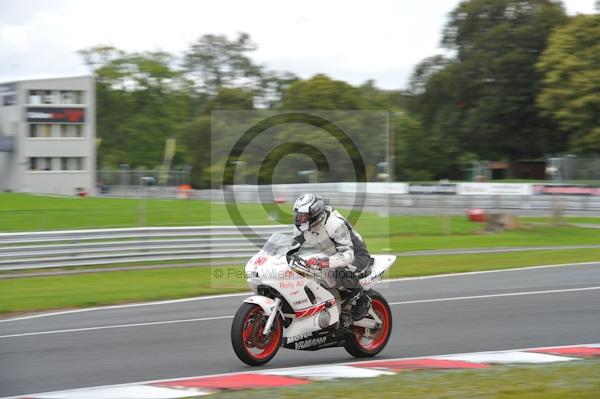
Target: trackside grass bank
571 380
20 212
83 290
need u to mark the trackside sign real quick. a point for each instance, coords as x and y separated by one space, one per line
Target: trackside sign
427 188
494 189
566 189
54 115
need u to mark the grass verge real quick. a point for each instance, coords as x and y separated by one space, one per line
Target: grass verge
572 380
94 289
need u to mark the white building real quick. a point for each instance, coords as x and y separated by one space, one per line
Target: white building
47 136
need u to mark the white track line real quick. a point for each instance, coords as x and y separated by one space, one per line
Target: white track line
303 367
460 298
516 269
129 305
209 297
154 323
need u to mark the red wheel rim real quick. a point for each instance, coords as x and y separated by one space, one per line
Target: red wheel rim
373 340
255 343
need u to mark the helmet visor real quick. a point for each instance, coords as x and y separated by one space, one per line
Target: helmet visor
302 218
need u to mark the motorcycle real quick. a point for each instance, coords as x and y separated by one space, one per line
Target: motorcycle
296 308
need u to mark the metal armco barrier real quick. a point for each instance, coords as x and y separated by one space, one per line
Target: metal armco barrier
33 250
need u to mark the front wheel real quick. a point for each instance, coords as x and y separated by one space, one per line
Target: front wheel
249 343
364 342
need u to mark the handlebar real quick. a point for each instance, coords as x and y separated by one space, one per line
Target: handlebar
300 266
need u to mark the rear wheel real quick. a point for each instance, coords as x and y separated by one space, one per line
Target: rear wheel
249 343
364 342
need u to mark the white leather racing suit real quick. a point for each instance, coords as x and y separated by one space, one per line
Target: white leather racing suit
336 238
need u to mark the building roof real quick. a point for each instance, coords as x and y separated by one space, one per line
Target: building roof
46 78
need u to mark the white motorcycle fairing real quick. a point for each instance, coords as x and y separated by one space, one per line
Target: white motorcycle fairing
308 309
266 303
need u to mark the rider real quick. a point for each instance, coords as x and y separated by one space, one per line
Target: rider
324 228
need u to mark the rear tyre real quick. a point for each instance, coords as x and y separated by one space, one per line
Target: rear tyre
247 339
366 343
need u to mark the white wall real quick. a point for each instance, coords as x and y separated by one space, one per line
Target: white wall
55 182
14 167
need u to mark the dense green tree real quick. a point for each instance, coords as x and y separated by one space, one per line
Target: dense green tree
198 137
571 85
141 101
322 93
272 86
214 61
483 100
441 109
231 99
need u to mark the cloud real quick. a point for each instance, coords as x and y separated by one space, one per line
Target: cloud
355 41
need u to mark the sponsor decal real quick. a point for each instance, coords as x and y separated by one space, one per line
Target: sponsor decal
56 115
297 338
309 343
341 232
314 309
287 285
449 189
259 261
300 302
547 189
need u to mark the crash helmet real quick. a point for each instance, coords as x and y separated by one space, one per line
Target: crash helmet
309 210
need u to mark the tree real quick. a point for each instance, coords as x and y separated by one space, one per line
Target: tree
485 96
425 70
272 86
231 99
214 61
571 84
141 101
198 137
437 86
322 93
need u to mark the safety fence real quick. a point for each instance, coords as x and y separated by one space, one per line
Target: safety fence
395 196
32 250
398 196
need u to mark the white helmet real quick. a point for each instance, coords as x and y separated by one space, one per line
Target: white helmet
309 209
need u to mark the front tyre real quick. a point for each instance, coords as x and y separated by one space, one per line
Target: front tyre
364 342
249 343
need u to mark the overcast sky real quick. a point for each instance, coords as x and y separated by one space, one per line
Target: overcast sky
349 40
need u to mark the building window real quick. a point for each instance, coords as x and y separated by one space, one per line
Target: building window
35 97
66 97
48 98
71 163
71 97
63 130
63 163
78 163
46 131
40 163
8 94
47 163
56 97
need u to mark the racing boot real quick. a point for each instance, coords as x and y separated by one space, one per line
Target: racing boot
362 304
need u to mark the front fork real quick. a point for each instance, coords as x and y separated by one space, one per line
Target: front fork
271 319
